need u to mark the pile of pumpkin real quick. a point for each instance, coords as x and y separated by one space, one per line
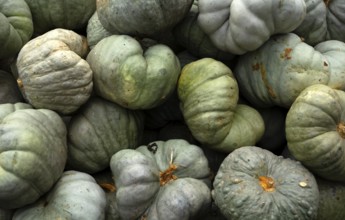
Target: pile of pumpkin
209 109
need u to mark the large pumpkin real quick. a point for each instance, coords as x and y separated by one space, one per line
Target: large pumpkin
209 93
130 76
161 180
98 130
141 18
33 154
16 27
253 183
75 196
278 71
239 26
315 131
52 73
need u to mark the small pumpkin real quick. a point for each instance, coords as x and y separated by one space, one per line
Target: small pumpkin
98 130
52 73
241 26
33 154
16 27
254 183
76 195
161 180
126 74
318 140
209 94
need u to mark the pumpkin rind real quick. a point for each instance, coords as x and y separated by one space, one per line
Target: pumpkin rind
148 176
95 31
52 73
30 138
317 140
76 195
126 74
253 183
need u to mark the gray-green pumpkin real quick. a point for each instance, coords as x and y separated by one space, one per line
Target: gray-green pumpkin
161 180
254 183
95 31
279 70
98 130
52 72
67 14
315 131
208 93
76 195
16 27
33 154
130 76
141 18
9 91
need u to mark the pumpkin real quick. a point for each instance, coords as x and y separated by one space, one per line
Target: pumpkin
9 91
324 21
189 34
52 73
239 26
292 65
66 14
97 131
8 108
16 27
147 18
161 180
318 139
332 200
95 31
208 93
126 74
76 195
33 154
254 183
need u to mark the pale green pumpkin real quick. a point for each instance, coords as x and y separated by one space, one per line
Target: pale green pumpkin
315 131
33 154
16 27
239 26
209 93
130 76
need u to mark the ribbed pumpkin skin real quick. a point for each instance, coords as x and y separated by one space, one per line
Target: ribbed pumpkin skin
52 73
126 74
33 152
226 22
161 180
147 18
99 130
95 31
16 27
291 66
318 139
8 108
76 195
240 196
208 93
67 14
332 200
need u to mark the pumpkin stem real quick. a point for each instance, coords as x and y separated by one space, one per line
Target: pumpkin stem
168 175
341 129
267 183
109 187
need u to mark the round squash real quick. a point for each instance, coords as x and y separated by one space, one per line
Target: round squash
67 14
126 74
9 91
161 180
291 66
16 27
141 18
208 93
52 73
75 196
254 183
98 130
315 131
239 26
33 154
